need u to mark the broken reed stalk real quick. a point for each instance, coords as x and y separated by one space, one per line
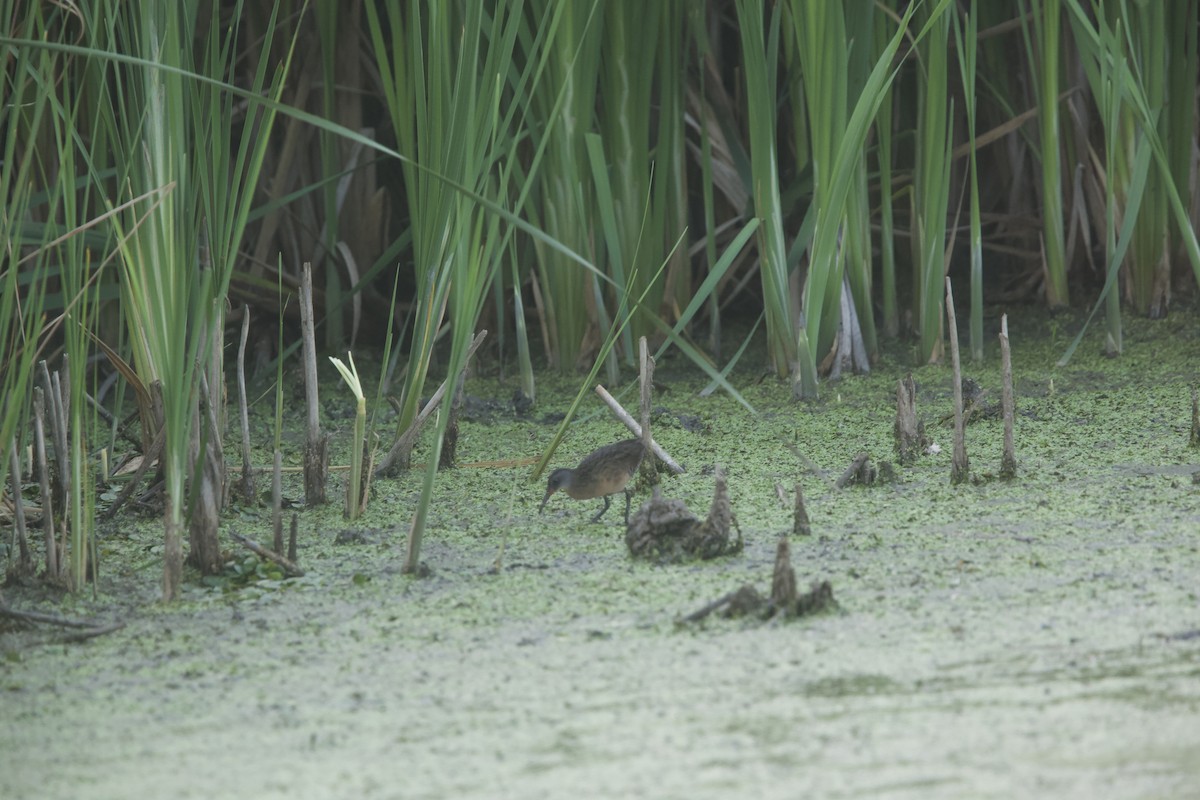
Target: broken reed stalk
747 600
277 499
86 629
25 562
62 387
714 531
646 381
58 435
908 430
800 524
1195 437
810 465
246 485
39 448
292 535
960 467
450 439
83 634
636 428
316 447
859 471
783 580
399 455
1008 460
715 605
290 568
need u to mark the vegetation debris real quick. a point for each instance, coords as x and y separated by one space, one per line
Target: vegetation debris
667 531
783 602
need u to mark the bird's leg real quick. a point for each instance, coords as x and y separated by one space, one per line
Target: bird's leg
600 513
628 495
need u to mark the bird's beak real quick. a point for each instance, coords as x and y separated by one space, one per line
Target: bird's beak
544 499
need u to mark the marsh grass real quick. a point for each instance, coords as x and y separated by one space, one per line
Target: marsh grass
22 118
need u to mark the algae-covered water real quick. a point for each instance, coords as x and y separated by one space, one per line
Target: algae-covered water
1036 637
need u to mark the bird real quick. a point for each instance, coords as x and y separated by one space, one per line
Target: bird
601 473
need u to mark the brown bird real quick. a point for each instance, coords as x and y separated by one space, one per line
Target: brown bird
601 473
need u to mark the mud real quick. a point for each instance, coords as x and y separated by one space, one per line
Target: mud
1030 637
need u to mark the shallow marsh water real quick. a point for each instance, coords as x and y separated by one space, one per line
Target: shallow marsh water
1037 637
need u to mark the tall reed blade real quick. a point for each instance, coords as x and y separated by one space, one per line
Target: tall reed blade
845 121
1043 45
563 202
931 184
759 58
965 46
